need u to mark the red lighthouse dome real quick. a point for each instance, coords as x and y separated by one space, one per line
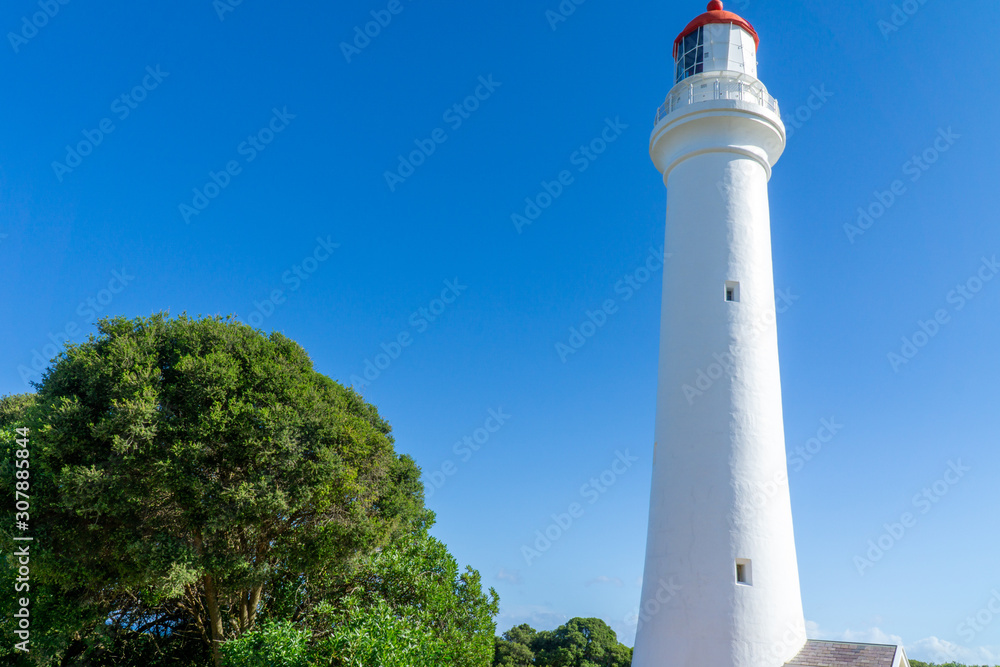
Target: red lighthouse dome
716 14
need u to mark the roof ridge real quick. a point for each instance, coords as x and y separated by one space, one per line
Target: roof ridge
836 641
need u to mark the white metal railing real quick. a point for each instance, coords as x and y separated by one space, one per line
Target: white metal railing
721 86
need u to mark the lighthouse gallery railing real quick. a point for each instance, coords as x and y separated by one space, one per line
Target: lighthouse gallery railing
706 88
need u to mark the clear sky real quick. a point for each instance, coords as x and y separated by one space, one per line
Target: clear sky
276 140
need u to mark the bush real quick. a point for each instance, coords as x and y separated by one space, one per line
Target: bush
275 644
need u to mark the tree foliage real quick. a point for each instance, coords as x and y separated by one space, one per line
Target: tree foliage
582 642
272 644
411 606
513 648
192 475
405 606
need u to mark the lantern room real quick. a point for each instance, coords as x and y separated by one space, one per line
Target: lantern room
716 41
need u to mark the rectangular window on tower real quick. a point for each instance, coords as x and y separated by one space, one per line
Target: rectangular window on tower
732 291
744 574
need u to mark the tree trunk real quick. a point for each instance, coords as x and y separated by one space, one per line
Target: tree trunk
244 620
255 594
212 602
215 618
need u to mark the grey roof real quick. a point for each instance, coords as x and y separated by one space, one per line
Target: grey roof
842 654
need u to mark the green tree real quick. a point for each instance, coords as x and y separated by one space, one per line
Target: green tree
14 410
272 644
405 606
513 648
582 642
187 472
410 606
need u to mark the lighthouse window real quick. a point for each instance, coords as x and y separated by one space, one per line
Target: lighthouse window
743 572
691 55
732 291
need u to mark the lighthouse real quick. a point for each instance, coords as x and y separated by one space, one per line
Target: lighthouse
720 540
721 581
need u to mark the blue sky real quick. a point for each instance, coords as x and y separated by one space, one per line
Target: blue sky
278 139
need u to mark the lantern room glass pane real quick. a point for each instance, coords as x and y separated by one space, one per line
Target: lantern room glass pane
691 41
691 55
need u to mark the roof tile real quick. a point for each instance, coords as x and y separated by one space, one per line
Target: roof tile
841 654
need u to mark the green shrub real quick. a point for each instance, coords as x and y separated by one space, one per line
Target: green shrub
275 644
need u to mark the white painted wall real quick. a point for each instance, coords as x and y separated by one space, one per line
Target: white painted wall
719 488
731 48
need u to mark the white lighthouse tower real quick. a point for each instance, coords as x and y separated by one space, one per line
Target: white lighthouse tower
721 583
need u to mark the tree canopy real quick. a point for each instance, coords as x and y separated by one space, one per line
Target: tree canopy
582 642
407 606
192 478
